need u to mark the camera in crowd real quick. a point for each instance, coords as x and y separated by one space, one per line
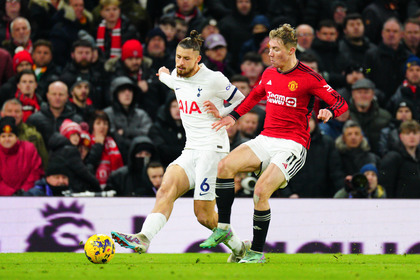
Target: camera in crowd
357 186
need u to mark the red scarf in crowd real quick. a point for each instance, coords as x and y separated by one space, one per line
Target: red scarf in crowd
115 38
29 105
111 160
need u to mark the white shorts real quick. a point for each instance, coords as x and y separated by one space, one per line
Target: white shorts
288 155
201 170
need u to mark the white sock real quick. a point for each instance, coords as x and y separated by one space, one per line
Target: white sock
152 225
234 243
223 226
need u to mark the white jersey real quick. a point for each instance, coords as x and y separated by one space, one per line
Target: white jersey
191 93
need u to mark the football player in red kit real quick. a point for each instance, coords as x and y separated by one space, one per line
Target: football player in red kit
280 149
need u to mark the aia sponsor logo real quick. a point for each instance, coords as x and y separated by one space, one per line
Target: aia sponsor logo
188 108
281 99
292 86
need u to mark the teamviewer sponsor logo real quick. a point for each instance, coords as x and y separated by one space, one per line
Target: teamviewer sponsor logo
281 99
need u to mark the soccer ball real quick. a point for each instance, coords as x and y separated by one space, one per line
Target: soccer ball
99 248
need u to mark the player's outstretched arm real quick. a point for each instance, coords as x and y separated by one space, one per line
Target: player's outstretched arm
325 115
227 121
209 107
163 69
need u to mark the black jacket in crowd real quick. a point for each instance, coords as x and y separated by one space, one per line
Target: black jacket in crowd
47 124
80 178
132 179
400 174
167 136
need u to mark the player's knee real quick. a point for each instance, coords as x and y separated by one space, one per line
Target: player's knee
224 169
260 194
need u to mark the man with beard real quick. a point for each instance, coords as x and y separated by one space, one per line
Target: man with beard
354 45
80 99
411 35
45 70
20 29
195 86
364 109
81 68
56 180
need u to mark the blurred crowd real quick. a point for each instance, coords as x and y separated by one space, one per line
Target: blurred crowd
84 114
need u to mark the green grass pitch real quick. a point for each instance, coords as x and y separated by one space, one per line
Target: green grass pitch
208 266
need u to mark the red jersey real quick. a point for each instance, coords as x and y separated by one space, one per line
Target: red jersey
290 98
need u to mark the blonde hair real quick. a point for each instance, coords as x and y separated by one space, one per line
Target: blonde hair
286 34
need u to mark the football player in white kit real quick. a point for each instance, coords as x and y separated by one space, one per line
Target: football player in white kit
195 87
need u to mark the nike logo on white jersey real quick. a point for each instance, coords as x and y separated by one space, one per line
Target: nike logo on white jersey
269 82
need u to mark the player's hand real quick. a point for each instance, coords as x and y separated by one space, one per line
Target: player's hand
210 108
163 69
227 121
324 115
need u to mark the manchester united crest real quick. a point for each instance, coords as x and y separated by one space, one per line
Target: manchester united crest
7 129
293 86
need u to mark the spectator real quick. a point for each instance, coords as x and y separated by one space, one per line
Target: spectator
13 108
334 128
114 30
370 189
216 54
82 68
21 61
80 100
339 13
155 172
264 51
364 109
70 18
25 93
208 28
20 164
49 119
411 36
6 67
65 146
305 35
41 14
20 30
55 182
235 137
375 15
322 169
355 45
188 11
408 90
45 70
325 46
157 51
386 64
252 68
399 172
126 120
390 138
167 133
354 149
241 16
181 28
132 179
168 25
139 69
8 12
248 124
260 26
111 158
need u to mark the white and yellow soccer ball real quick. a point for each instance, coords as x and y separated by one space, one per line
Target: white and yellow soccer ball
99 248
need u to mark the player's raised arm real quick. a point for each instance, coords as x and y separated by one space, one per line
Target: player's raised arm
165 76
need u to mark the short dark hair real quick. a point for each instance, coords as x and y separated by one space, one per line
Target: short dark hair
81 43
42 42
154 164
308 57
239 78
99 115
252 56
352 16
326 23
25 72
